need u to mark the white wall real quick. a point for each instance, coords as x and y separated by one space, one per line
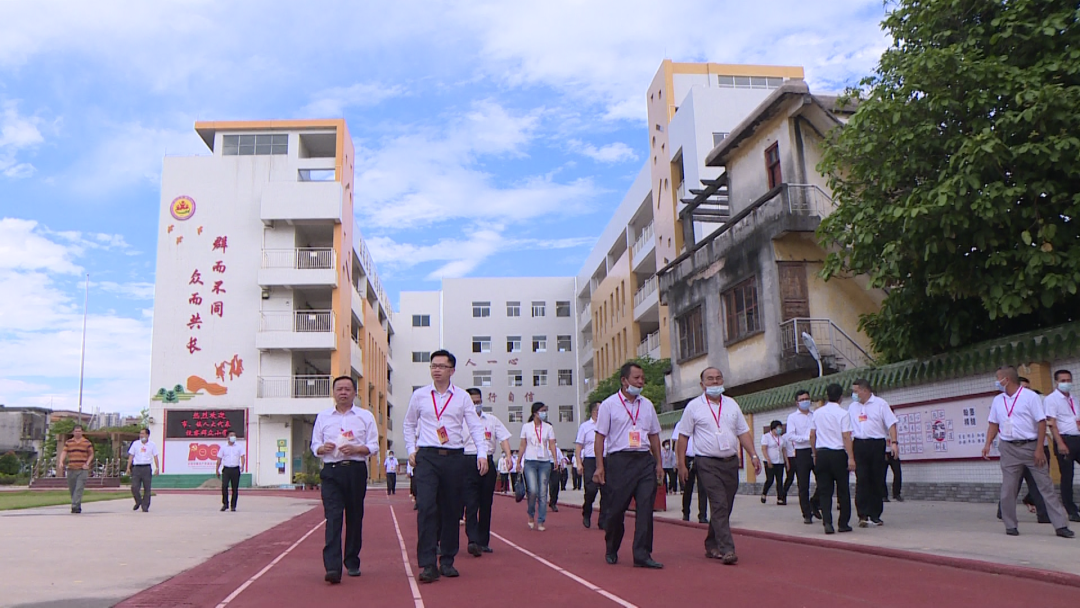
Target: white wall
408 339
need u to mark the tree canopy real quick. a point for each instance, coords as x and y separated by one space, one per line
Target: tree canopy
958 177
655 390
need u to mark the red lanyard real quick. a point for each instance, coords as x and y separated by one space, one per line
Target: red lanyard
719 409
637 414
438 412
776 438
1071 405
539 429
1009 410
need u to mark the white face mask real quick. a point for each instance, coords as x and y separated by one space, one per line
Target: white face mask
999 386
542 415
714 391
232 439
479 410
855 397
144 439
1065 387
632 390
804 406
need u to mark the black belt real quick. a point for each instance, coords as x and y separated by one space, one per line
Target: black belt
1019 441
869 439
344 463
236 467
140 465
442 451
588 457
720 458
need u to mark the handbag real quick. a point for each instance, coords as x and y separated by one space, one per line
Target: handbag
519 491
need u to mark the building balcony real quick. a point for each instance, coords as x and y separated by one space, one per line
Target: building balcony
296 330
586 316
309 267
650 346
647 301
287 395
357 357
644 250
357 303
587 353
301 201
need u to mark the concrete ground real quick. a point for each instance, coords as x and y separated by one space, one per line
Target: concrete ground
109 552
963 530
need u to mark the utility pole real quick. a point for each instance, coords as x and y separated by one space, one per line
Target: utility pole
82 357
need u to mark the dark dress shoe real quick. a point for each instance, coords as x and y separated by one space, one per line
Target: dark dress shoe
223 507
555 508
730 559
843 529
332 577
781 501
1074 518
686 518
136 507
474 550
430 574
703 520
808 520
885 499
817 513
898 498
448 571
1012 532
585 521
611 558
1065 533
487 549
763 499
829 529
354 571
649 563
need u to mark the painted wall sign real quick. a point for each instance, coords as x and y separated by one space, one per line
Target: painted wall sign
182 207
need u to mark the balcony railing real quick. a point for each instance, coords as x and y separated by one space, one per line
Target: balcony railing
649 344
299 259
647 289
642 239
298 321
586 314
293 387
831 341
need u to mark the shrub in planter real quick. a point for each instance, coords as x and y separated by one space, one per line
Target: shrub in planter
7 480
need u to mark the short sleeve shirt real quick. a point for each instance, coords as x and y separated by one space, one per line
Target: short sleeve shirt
537 440
627 424
1017 416
714 427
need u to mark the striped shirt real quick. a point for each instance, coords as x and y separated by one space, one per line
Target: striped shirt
78 452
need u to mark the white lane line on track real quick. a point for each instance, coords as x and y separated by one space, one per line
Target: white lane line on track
577 579
247 583
417 600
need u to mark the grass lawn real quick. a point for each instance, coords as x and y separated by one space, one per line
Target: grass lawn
27 499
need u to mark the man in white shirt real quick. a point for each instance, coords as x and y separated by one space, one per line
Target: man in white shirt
689 483
575 476
873 429
670 464
344 436
719 428
391 465
789 461
798 428
557 479
1018 421
230 461
141 454
480 489
834 458
1061 417
772 448
627 451
439 416
585 450
504 473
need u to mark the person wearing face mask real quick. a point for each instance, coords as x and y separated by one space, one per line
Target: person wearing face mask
140 456
391 465
719 429
798 426
557 479
789 460
834 458
479 489
584 449
230 461
1061 417
1017 419
873 429
537 453
772 448
628 465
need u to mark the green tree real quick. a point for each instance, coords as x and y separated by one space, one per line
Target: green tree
958 177
9 464
655 389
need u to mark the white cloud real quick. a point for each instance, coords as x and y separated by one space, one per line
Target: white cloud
131 154
17 133
24 247
135 290
331 103
616 152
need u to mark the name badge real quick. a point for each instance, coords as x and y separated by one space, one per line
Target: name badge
635 439
1007 427
862 417
444 437
487 435
143 450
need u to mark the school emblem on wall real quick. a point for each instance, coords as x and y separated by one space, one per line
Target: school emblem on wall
182 207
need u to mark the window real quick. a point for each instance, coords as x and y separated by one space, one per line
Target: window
566 377
562 309
539 377
515 414
513 309
750 82
481 344
481 377
717 138
566 413
772 165
564 344
538 309
513 344
539 344
741 314
421 320
691 330
255 145
514 377
481 309
419 357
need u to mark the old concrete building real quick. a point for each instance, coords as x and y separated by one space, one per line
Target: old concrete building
22 430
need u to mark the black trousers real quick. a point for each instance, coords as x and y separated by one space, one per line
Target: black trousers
774 472
1067 464
344 487
869 477
791 474
554 484
804 466
629 475
588 468
575 478
230 476
412 485
391 483
897 475
672 480
439 476
832 475
479 494
688 493
142 477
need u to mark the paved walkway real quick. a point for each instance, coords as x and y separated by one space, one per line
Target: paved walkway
109 552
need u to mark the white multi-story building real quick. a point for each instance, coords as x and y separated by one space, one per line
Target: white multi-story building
514 339
264 293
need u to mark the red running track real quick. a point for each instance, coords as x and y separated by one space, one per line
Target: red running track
564 566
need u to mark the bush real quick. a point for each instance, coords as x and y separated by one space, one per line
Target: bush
125 479
7 480
9 464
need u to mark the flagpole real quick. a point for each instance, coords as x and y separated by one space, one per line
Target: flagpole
82 357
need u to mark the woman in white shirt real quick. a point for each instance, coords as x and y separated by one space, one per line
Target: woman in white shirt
537 450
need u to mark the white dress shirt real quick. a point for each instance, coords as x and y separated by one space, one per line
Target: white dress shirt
789 447
495 432
391 465
798 427
871 420
829 425
356 425
1017 416
586 438
504 465
142 453
536 440
667 458
715 427
772 446
452 411
618 418
1062 408
230 455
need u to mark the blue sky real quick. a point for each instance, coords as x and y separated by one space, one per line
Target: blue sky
492 138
